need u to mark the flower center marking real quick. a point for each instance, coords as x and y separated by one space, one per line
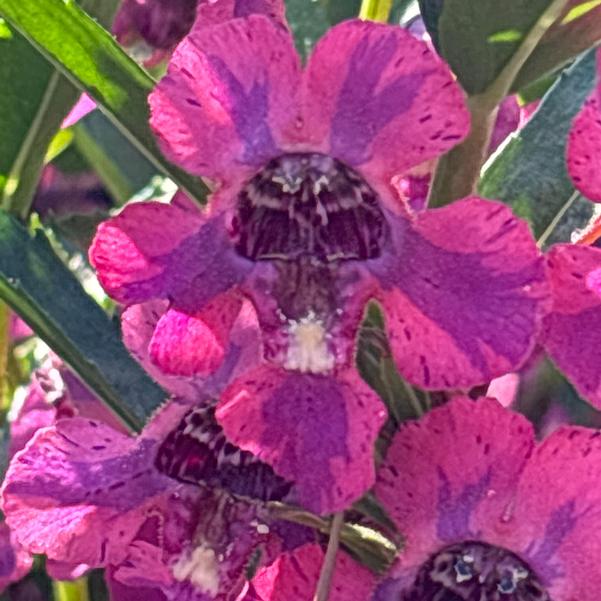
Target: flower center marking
308 206
474 571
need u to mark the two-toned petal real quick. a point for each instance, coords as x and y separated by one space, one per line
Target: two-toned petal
317 431
572 330
464 292
228 95
377 98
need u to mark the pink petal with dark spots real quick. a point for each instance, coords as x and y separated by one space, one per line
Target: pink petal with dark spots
555 521
584 149
464 293
77 491
572 330
317 431
154 250
450 474
227 97
376 97
294 576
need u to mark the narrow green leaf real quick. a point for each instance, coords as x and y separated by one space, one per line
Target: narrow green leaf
38 286
529 173
578 29
479 38
123 170
21 96
90 57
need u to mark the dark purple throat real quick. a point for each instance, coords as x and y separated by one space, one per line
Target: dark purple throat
475 571
309 207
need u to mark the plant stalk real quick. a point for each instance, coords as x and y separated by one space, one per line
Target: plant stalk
326 575
375 10
457 172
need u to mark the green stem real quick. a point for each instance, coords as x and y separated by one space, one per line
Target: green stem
71 591
324 584
458 171
551 227
375 10
4 352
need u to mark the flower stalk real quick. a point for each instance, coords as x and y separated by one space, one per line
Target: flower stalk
375 10
324 584
458 171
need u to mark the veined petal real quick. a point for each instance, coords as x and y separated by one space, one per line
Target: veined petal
451 474
154 250
317 431
376 97
464 293
228 95
572 330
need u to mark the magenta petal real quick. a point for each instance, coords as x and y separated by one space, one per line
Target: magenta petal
228 95
556 522
463 294
154 250
15 562
584 149
451 473
213 13
380 98
317 431
293 577
77 491
187 345
572 331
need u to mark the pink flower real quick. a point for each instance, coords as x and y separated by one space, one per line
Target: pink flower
87 494
306 223
484 509
584 145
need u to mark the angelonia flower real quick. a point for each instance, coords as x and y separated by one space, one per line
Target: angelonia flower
305 221
87 494
486 514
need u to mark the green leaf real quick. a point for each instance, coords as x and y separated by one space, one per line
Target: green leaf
123 170
529 173
90 57
308 21
431 11
479 38
38 286
578 29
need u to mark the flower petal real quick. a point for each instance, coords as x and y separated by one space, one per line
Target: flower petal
572 331
213 13
15 562
450 473
379 98
77 491
294 576
317 431
228 94
154 250
556 522
463 294
185 345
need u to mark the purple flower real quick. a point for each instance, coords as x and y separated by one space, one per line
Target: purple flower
485 513
305 221
483 508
